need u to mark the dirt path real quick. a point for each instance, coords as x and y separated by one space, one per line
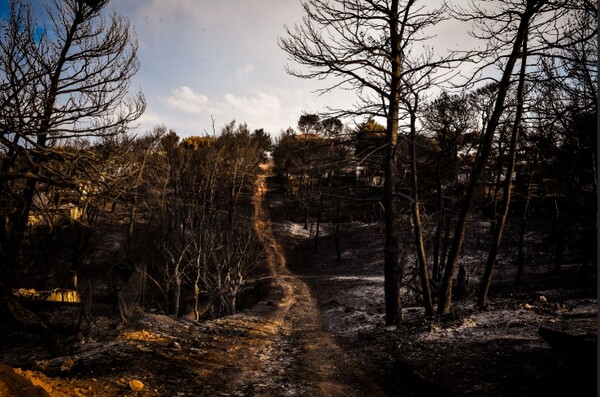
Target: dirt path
276 348
279 347
302 357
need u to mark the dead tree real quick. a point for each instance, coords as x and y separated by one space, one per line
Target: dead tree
526 14
70 82
362 46
508 183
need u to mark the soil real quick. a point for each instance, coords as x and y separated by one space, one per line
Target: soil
320 332
468 352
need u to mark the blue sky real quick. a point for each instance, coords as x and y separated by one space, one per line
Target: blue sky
216 59
219 59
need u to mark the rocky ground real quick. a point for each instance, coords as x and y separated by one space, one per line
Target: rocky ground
320 332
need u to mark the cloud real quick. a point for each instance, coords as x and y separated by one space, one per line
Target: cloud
244 71
146 123
189 111
262 104
258 107
186 100
211 60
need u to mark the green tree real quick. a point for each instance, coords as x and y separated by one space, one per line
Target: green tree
309 123
369 144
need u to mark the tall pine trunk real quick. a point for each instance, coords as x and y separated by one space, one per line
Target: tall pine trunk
418 229
522 227
445 294
486 280
391 250
437 240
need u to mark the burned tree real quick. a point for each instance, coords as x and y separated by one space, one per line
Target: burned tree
62 78
362 46
505 28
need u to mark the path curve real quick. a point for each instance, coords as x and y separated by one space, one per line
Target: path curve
304 359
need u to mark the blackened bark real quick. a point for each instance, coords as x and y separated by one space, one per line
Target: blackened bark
391 249
418 229
445 294
522 227
507 188
437 240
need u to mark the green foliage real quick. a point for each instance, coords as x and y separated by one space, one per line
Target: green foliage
371 126
262 139
312 125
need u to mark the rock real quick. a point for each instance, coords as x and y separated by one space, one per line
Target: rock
41 365
67 365
136 385
175 345
543 299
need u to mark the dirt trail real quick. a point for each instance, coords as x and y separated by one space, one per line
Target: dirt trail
303 358
279 346
276 348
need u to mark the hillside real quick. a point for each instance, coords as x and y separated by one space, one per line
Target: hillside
319 330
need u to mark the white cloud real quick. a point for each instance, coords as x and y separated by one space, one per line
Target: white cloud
261 110
186 100
210 59
262 104
189 111
244 71
146 123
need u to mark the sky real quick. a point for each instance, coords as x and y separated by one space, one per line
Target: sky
205 63
217 60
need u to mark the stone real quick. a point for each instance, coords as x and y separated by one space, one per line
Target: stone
136 385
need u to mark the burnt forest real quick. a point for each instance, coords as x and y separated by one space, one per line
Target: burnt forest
437 237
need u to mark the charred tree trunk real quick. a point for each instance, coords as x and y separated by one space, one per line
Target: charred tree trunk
579 350
522 227
19 222
418 229
563 222
319 212
437 241
445 294
391 249
507 188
